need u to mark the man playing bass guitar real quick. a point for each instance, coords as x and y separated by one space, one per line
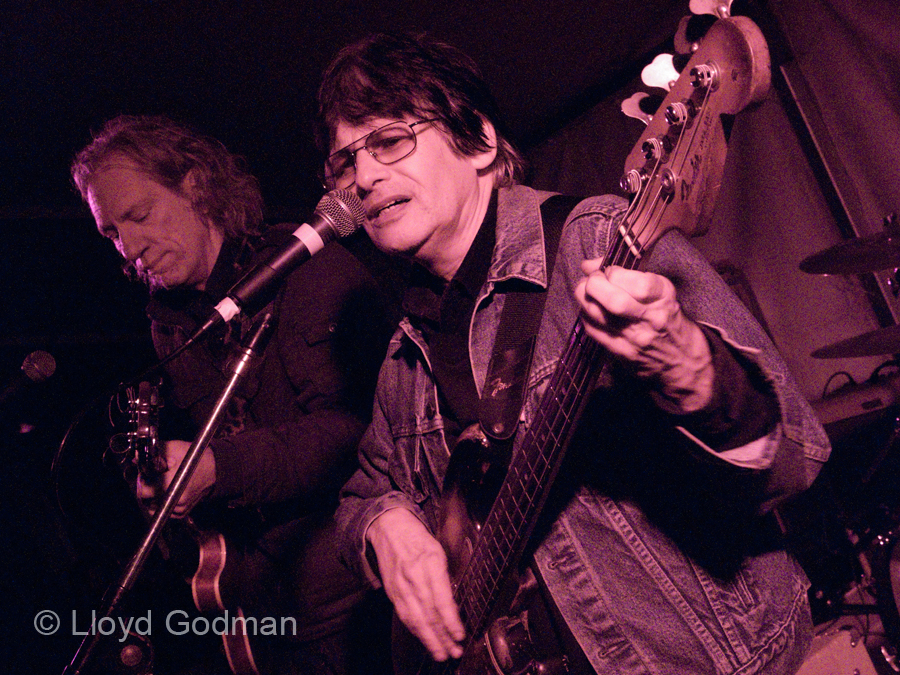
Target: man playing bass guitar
655 551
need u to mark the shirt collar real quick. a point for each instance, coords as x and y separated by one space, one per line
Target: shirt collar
232 256
426 290
519 252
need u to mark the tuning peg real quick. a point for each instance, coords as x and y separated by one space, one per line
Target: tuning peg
660 72
656 148
631 106
719 8
632 181
641 106
691 30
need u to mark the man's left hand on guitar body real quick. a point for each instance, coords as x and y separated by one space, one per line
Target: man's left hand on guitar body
200 485
636 316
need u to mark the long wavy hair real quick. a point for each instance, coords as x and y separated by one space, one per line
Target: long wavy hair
225 194
399 75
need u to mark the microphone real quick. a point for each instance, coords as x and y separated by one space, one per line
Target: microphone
338 214
37 367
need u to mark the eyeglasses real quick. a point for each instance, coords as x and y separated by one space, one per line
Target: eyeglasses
387 144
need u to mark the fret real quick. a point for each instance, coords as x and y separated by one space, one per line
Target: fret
534 463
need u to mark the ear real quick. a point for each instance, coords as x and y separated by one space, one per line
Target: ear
483 160
189 184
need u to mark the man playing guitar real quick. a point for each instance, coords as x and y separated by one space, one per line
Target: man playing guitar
188 220
653 553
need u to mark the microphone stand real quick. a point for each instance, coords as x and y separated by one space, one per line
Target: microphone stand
115 594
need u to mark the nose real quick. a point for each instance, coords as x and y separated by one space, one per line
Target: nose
130 244
368 170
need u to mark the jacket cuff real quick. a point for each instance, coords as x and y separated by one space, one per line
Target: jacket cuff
230 478
363 554
743 409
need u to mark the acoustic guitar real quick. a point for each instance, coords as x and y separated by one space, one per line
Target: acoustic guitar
673 176
143 456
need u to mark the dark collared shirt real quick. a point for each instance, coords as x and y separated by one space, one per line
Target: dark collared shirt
443 310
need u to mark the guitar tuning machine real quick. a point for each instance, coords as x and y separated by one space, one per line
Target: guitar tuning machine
718 8
667 181
656 149
680 112
705 76
635 107
660 73
632 181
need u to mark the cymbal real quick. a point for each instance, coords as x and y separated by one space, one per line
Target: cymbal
856 256
873 343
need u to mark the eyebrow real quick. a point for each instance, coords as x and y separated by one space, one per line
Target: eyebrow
346 149
107 225
132 210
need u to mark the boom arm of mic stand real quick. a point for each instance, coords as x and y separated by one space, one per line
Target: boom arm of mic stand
116 593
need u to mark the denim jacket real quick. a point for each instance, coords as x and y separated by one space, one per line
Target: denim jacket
655 551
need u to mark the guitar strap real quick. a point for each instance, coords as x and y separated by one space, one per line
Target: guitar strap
507 374
499 409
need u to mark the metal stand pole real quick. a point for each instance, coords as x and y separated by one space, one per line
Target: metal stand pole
115 594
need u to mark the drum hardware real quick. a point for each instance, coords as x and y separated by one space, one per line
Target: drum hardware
881 341
133 656
856 256
883 453
873 253
885 561
856 571
854 558
861 255
874 597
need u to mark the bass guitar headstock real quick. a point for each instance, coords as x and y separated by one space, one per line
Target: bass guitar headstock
674 171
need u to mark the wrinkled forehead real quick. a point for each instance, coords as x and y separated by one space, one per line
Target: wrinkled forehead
116 161
122 170
116 172
120 179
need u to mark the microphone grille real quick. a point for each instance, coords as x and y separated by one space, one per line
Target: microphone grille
344 209
39 366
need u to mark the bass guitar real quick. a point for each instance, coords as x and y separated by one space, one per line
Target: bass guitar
673 176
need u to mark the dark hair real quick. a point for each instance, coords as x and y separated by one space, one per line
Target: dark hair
412 75
225 195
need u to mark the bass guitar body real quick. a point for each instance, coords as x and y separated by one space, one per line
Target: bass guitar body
511 645
492 498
